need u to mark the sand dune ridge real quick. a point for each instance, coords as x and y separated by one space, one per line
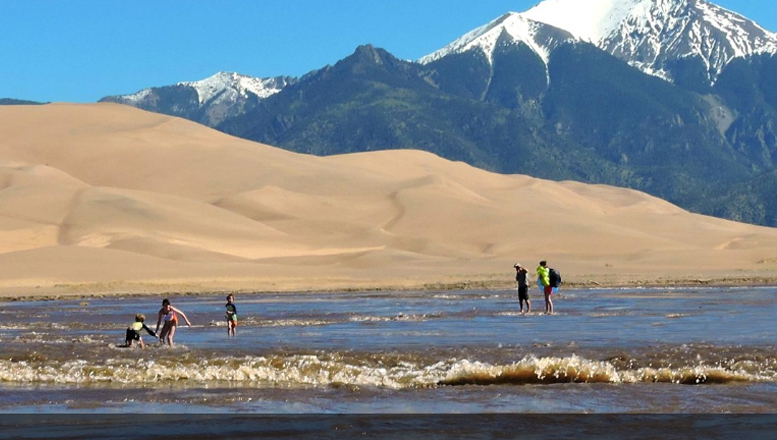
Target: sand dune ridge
110 195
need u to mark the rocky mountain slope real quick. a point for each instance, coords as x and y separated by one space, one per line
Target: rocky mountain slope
672 97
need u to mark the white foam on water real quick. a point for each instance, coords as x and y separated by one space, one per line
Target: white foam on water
335 370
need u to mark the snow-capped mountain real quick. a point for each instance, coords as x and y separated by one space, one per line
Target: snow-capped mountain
223 86
210 101
540 37
231 86
652 35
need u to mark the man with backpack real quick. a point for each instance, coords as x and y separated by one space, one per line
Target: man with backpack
544 279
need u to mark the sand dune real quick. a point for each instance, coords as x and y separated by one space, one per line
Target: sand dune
110 198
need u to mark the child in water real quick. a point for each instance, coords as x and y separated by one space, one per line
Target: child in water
169 315
133 331
231 316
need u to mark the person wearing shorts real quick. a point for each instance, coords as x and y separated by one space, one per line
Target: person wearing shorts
543 278
523 287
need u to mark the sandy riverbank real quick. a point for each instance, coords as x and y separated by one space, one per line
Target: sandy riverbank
274 286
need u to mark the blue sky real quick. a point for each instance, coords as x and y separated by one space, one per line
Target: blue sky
82 50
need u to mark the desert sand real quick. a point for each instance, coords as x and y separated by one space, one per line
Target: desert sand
107 199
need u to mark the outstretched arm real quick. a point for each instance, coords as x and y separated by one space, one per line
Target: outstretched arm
158 320
152 333
182 314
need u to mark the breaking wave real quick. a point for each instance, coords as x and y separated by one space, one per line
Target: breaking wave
335 369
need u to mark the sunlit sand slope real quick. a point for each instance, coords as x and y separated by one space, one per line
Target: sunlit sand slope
108 197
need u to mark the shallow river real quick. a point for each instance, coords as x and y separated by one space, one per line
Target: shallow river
648 351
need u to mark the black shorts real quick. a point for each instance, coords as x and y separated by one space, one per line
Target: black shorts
132 335
523 293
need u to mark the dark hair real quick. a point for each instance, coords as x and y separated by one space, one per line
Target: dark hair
165 302
543 263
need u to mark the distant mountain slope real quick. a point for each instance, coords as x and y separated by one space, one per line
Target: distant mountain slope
571 89
661 37
374 101
210 101
749 87
10 101
510 28
598 121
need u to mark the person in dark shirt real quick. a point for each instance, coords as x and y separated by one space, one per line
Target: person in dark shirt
231 316
523 287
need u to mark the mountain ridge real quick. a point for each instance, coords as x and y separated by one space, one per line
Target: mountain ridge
578 113
209 101
651 35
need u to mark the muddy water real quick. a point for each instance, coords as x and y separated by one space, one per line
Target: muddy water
660 351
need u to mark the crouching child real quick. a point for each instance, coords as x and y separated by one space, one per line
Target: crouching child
133 331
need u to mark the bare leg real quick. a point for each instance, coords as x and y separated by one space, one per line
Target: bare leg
170 335
163 334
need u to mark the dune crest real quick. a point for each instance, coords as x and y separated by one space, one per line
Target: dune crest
108 195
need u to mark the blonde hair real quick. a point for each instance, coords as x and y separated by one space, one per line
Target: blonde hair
140 317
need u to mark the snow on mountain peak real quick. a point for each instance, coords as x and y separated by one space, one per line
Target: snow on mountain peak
745 35
233 84
137 97
223 95
588 20
520 28
648 34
